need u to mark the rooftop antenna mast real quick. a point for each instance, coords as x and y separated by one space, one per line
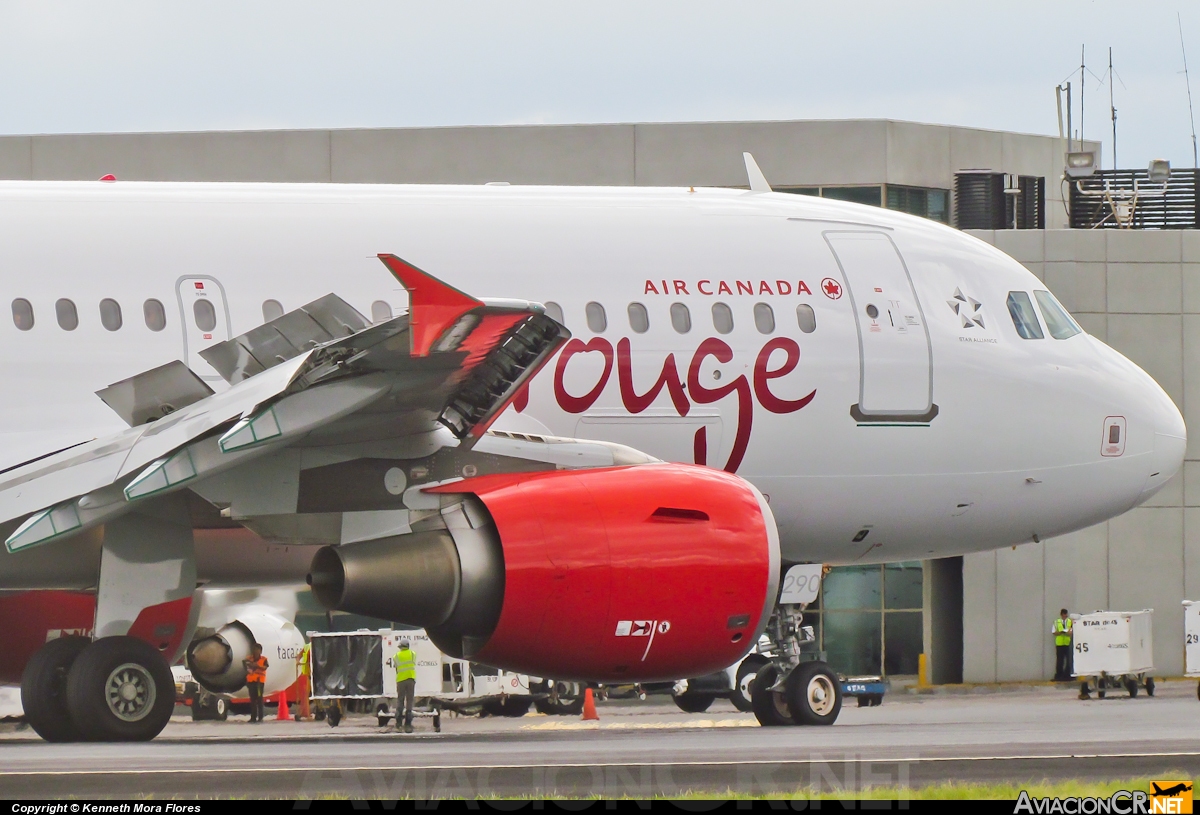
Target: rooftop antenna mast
1191 115
1082 87
1111 106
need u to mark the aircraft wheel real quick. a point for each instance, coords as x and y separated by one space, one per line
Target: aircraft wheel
770 707
693 702
814 694
44 689
570 699
120 689
743 680
221 709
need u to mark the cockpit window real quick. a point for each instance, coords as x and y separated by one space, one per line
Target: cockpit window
1023 316
1058 322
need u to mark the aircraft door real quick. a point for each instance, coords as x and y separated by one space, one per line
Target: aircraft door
205 318
895 354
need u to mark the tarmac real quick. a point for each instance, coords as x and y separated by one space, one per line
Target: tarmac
637 749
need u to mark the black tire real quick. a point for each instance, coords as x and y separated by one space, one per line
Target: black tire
864 701
1132 687
814 694
334 715
381 715
1150 686
104 673
515 707
221 709
570 699
770 707
44 689
742 680
693 702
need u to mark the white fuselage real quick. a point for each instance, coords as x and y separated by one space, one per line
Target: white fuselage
1018 446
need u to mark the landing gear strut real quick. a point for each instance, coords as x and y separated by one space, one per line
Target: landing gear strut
113 689
788 690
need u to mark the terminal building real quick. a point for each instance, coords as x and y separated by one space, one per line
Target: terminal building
979 618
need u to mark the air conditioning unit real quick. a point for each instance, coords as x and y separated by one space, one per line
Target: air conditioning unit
980 201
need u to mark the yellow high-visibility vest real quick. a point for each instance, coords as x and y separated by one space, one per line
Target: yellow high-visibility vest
1062 631
406 664
304 660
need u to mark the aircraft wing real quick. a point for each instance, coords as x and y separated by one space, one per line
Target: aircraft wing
321 371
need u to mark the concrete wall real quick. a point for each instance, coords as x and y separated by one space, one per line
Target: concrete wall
791 154
1139 291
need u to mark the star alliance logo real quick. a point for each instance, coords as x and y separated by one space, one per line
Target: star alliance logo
967 308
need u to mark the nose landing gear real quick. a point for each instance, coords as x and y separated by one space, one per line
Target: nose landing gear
789 690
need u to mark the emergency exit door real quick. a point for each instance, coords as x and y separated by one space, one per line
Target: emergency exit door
895 354
205 318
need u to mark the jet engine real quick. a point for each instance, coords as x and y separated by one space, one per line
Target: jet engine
215 661
637 573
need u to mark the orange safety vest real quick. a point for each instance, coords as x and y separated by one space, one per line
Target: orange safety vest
259 673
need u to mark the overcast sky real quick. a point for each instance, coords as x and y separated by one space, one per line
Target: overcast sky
150 66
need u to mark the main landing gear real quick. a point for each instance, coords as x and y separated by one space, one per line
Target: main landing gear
785 690
112 689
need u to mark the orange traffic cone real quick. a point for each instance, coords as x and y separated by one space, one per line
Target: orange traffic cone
589 707
284 715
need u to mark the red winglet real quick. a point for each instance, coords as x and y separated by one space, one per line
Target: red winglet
434 306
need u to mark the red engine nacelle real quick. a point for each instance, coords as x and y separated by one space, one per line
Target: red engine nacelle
640 573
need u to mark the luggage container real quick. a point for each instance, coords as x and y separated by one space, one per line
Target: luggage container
1113 650
359 667
1191 640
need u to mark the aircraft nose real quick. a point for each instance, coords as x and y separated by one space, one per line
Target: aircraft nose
1170 442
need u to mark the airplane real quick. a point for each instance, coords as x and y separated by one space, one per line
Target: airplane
1170 791
608 480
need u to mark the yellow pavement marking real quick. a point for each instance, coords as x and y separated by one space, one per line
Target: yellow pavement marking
640 725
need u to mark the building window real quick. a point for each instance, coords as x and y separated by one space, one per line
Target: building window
381 312
205 315
67 314
639 318
22 311
155 314
722 318
928 203
272 310
110 314
597 320
806 318
869 618
857 195
681 318
554 312
764 318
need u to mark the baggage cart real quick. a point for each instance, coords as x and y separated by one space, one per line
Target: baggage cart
1113 650
1191 640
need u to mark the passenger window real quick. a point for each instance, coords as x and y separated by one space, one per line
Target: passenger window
722 318
110 314
272 310
381 312
155 314
554 312
639 318
22 314
1058 322
205 314
1023 316
681 318
764 318
597 320
806 318
67 314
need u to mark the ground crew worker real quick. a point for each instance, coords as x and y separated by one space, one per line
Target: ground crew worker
256 677
304 663
406 685
1062 633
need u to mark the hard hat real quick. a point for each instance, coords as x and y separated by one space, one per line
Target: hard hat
403 643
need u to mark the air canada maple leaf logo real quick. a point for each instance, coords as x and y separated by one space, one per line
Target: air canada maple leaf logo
969 310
